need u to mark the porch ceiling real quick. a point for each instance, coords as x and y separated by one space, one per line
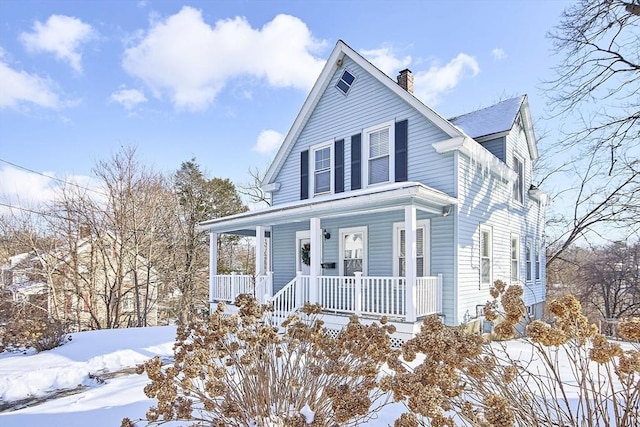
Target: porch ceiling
380 198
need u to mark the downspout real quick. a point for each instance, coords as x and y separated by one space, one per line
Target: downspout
456 181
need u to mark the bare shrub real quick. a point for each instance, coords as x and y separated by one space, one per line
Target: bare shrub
239 371
25 328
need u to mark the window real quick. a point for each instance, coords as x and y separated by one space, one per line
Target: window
321 158
515 257
518 184
422 249
379 153
345 82
485 255
353 250
127 302
537 261
528 256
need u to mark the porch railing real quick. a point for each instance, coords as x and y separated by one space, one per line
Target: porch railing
361 295
226 287
428 295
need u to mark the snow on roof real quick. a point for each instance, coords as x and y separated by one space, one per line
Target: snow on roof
490 120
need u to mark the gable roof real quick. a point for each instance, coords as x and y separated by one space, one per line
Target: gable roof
494 119
333 63
497 119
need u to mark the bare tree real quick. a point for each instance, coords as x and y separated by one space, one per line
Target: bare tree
611 278
253 189
597 86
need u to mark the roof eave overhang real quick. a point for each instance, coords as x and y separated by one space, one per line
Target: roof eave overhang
475 151
377 199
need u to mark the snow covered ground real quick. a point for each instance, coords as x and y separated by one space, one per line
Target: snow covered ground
76 364
99 399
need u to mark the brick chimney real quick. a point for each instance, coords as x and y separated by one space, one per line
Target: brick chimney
405 80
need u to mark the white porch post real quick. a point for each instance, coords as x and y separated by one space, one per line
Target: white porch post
410 225
315 234
259 251
213 266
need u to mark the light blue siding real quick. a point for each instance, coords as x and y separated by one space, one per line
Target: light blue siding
485 199
497 147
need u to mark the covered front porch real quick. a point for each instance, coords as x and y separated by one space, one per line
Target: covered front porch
344 279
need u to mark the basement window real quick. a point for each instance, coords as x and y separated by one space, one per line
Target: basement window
345 82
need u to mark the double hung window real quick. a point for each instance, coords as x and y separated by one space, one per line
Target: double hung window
322 166
379 148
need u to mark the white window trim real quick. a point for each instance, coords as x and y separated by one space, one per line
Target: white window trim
312 167
365 152
537 264
484 228
522 184
515 237
350 86
529 261
426 248
350 230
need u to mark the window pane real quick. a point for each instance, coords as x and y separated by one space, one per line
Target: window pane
348 77
486 270
323 182
353 251
514 270
518 167
379 143
379 170
402 243
343 86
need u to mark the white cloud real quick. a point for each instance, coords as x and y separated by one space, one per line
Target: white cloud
268 141
62 36
128 98
435 81
19 87
498 54
30 190
386 61
191 61
22 188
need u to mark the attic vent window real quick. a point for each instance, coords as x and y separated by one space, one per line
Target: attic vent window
345 82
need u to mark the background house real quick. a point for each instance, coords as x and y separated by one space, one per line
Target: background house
404 213
89 284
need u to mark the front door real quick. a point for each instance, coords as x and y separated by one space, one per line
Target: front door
303 252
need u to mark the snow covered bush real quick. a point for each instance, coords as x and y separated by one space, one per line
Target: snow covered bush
240 371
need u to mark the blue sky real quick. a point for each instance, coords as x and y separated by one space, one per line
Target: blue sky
223 81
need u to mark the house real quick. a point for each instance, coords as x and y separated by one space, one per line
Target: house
93 283
382 207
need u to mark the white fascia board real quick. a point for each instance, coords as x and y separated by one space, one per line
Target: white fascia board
528 128
269 188
334 205
475 150
303 115
539 195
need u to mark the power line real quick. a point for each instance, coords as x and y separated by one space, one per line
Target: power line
53 178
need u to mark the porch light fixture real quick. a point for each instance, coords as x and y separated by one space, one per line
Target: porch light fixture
446 210
326 234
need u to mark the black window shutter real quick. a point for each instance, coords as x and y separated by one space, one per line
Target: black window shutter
338 150
304 175
401 151
356 162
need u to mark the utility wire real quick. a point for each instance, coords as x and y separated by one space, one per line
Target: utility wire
53 178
